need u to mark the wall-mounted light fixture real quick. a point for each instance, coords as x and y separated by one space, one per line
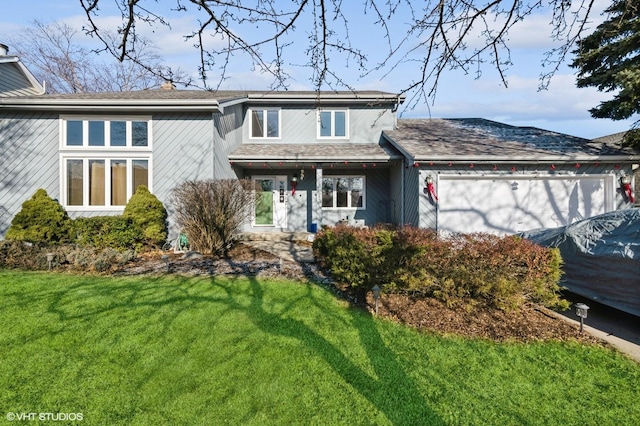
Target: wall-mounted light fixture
301 174
294 184
625 181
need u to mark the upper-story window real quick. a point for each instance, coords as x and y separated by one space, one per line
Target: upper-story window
96 133
103 160
333 124
265 123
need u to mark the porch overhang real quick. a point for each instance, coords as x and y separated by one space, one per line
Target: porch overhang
300 155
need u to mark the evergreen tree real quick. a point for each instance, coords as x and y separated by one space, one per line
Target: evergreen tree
609 60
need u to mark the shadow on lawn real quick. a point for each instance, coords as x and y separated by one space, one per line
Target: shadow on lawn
390 389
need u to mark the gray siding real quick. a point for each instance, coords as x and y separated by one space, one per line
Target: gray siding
29 161
13 82
182 150
413 199
299 125
227 137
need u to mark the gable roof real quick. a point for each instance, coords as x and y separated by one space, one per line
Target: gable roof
16 79
478 140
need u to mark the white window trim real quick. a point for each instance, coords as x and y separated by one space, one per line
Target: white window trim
350 207
333 125
128 119
106 157
264 120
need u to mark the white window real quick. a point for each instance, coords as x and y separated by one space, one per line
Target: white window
343 192
98 132
103 161
333 124
265 123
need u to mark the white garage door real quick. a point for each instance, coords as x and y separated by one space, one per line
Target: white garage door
505 205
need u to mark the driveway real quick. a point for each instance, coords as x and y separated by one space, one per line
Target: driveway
620 329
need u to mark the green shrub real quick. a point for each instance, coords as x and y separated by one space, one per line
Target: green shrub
115 232
41 220
475 269
149 214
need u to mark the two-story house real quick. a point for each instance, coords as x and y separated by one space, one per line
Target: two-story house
317 158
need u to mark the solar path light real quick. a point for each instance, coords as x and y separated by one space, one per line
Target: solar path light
581 311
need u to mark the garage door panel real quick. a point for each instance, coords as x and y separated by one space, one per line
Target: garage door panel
515 204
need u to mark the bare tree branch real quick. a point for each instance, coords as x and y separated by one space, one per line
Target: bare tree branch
55 55
429 36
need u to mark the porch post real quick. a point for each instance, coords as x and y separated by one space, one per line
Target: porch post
317 199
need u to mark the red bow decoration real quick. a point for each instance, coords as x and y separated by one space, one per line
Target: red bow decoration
432 191
629 192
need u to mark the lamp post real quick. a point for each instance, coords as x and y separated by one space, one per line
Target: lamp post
581 311
376 296
50 259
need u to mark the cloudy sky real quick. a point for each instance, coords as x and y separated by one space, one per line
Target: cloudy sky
562 107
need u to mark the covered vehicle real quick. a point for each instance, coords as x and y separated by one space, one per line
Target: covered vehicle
601 257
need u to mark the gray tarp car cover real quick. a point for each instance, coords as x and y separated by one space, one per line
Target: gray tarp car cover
601 257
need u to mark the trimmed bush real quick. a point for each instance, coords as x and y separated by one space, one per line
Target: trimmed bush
149 214
115 232
42 220
475 269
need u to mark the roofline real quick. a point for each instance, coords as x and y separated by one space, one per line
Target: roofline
528 159
200 105
32 79
312 96
312 158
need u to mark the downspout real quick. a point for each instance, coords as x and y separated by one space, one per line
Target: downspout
213 145
402 189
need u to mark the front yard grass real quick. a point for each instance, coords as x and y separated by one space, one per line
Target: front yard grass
176 350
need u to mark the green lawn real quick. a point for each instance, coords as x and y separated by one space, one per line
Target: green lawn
171 350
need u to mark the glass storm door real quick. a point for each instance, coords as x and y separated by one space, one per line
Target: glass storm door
270 206
264 201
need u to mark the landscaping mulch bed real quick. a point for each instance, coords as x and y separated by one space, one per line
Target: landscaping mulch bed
531 323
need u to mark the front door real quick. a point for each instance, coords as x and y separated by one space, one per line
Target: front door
271 201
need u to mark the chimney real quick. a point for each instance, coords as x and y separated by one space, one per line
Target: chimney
4 49
167 85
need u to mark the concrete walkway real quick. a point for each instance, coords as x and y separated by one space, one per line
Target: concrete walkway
286 250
